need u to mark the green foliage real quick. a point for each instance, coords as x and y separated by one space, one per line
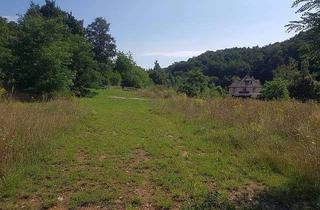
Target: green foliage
287 72
305 87
131 74
216 91
136 77
309 21
6 55
50 10
310 16
111 78
47 52
157 66
83 66
103 43
194 83
2 92
275 90
44 52
159 77
223 66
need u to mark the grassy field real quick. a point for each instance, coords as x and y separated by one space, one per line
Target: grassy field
26 129
128 152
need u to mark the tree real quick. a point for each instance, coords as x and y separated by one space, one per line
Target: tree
111 78
104 45
124 63
136 77
310 15
309 21
51 10
43 53
159 77
275 90
194 83
52 53
287 72
157 66
131 74
83 66
6 57
305 87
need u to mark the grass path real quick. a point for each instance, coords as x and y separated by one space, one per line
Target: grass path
124 154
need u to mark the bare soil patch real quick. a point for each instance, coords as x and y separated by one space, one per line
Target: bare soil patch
247 195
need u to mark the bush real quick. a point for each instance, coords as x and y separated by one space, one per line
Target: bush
275 90
305 87
2 92
131 74
136 77
111 78
194 83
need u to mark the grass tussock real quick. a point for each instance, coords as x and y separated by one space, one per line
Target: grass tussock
27 128
283 135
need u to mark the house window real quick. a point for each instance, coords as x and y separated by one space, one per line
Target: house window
248 82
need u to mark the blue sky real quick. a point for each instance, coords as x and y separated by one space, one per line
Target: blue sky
175 30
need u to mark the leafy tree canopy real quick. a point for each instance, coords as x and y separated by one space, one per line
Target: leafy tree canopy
275 90
104 45
194 83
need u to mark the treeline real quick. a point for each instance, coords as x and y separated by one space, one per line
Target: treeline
290 68
212 72
48 51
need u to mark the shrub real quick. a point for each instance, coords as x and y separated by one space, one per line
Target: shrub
275 90
111 78
304 87
194 83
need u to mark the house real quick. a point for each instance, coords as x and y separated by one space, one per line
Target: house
248 87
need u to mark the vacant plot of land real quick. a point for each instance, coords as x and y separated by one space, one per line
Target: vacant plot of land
130 154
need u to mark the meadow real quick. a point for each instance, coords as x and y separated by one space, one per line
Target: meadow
26 129
155 149
283 134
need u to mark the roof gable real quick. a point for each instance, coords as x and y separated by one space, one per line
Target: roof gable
247 81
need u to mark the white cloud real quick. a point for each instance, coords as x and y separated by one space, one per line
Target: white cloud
11 18
177 54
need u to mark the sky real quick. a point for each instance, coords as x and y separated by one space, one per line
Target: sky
174 30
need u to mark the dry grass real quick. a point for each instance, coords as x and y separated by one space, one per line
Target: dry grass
27 128
283 134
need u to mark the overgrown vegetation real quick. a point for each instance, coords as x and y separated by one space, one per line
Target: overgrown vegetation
295 60
49 52
169 151
280 135
27 129
161 150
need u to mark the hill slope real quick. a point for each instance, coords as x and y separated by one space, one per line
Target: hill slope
223 65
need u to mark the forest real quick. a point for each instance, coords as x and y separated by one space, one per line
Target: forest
49 52
289 61
293 66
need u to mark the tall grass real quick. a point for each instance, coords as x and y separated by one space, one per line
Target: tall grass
27 128
283 134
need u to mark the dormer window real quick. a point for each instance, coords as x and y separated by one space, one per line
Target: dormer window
248 82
